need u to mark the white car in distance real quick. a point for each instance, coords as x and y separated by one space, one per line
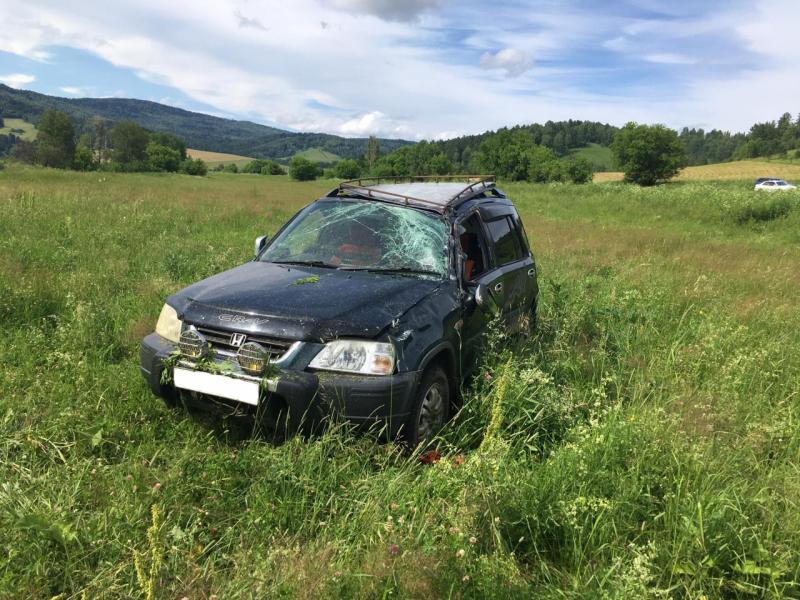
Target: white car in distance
771 185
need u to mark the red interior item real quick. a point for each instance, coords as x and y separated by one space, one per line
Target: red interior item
357 255
469 267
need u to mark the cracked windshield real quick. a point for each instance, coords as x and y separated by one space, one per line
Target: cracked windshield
364 236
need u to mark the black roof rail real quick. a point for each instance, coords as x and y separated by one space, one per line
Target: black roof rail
368 187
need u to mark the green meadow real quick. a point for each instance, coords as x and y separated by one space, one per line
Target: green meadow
644 442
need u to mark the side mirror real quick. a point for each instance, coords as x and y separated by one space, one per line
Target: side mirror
484 300
260 242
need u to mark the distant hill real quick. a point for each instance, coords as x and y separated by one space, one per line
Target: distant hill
563 137
198 130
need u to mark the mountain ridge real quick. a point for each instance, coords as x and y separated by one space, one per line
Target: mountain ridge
197 129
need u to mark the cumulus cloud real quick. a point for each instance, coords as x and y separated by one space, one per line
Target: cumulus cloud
72 91
511 60
325 66
17 80
390 10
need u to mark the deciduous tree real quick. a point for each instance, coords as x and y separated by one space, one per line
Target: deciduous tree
648 154
55 144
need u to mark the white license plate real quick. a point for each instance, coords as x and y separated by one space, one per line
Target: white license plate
217 385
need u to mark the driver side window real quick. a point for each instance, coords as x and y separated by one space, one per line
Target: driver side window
473 245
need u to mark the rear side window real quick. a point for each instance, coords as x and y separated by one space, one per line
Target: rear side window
506 240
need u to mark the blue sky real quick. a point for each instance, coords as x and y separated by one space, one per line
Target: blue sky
417 68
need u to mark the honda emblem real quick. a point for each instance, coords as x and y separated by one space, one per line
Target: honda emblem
237 339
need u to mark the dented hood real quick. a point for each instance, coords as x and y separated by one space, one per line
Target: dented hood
301 303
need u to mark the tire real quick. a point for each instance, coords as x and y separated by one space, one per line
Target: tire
431 408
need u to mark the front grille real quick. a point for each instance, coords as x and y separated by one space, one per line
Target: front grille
221 341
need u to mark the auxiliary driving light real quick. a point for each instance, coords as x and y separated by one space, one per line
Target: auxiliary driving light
192 344
252 357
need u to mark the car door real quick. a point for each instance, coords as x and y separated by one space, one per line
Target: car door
477 271
513 264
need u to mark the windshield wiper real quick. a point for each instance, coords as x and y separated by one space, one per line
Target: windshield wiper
396 270
309 263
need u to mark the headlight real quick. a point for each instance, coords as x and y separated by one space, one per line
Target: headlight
356 356
169 325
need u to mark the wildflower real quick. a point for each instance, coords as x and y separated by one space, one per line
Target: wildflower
430 457
394 549
128 477
465 579
458 460
460 553
473 540
393 506
337 574
156 486
452 530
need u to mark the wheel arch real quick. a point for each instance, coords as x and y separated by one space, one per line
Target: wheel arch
444 356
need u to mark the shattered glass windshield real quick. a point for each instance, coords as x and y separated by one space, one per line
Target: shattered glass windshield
363 235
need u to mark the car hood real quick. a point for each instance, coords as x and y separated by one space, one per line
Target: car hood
300 303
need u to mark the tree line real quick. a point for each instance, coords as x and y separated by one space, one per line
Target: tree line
123 146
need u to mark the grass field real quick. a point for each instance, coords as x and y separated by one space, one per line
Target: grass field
738 170
599 156
643 444
19 127
319 155
213 159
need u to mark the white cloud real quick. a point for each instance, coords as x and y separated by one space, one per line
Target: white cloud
390 10
423 68
511 60
670 59
762 92
249 21
17 80
72 91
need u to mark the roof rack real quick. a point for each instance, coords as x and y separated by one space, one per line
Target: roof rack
368 187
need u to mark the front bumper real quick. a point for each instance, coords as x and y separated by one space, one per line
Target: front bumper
361 399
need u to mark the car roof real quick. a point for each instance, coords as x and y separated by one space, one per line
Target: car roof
441 194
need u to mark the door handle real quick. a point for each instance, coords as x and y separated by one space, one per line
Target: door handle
498 287
531 272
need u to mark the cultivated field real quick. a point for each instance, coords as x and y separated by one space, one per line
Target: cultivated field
737 170
19 127
213 159
644 443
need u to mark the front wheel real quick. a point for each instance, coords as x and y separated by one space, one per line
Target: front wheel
431 408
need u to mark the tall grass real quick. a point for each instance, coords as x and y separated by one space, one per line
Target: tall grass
642 443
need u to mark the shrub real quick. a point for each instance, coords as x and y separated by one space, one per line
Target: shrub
272 168
255 166
579 170
84 160
543 165
762 208
347 169
302 169
194 167
231 168
162 158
